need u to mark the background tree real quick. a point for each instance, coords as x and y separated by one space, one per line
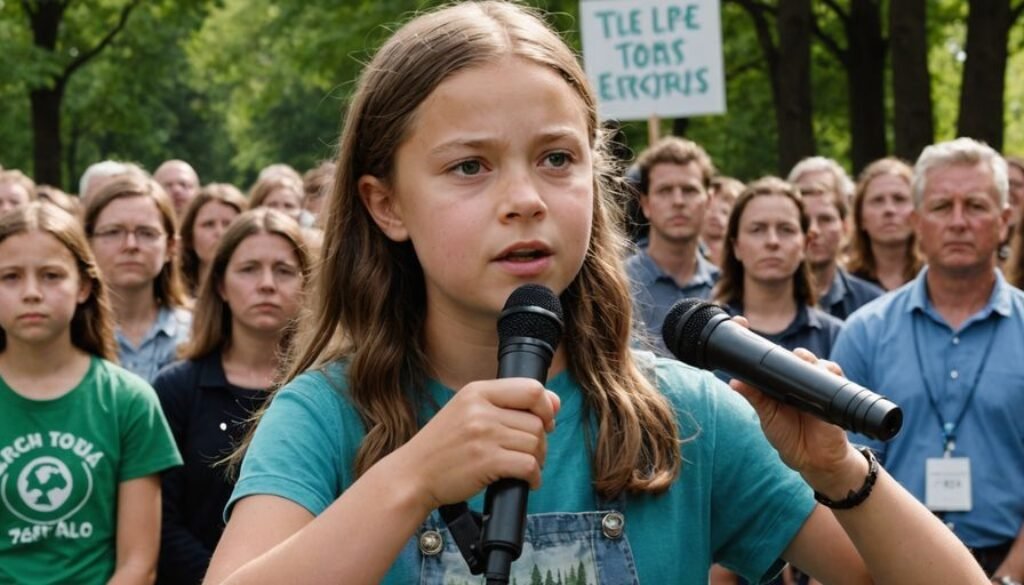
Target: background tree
64 56
788 61
234 85
913 122
863 60
984 82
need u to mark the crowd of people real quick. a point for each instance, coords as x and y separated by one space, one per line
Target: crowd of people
907 294
203 385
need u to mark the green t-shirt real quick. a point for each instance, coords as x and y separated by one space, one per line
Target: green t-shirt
61 462
734 502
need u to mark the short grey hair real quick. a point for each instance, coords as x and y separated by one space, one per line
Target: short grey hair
962 151
815 164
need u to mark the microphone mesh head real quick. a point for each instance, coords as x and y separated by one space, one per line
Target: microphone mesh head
533 311
683 326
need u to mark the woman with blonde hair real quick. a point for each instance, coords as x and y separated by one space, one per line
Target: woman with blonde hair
131 228
243 322
883 248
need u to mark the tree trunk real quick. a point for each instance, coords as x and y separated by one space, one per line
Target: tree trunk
45 101
793 109
913 117
984 78
46 131
45 20
866 82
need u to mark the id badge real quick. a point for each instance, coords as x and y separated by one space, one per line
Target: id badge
948 484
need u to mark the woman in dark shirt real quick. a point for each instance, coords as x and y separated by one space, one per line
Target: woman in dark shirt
765 276
243 315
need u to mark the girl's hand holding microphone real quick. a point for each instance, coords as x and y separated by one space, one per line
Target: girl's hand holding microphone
489 430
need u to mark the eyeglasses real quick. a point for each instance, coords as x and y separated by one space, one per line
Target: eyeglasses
144 235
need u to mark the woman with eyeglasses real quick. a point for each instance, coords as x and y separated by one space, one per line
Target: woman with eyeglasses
131 228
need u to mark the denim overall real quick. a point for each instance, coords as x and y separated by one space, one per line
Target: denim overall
592 545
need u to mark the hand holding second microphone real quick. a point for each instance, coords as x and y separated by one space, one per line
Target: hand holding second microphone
817 449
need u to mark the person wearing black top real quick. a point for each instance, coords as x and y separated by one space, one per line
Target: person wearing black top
766 277
765 274
243 316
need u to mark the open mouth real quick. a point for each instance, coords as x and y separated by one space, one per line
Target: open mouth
525 255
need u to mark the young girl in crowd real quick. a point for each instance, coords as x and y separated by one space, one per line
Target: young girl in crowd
471 163
242 326
130 224
765 276
206 218
883 249
82 441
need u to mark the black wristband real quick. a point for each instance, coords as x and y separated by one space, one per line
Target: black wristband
855 498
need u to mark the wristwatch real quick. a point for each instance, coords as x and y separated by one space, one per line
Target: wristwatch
1005 580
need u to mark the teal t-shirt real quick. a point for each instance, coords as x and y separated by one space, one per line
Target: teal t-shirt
61 462
734 501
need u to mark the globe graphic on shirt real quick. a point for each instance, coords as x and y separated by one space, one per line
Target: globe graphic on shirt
45 484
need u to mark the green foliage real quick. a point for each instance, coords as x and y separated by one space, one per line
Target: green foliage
741 142
233 85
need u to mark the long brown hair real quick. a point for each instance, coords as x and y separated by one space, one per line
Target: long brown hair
730 283
92 326
1015 265
224 193
861 260
369 295
211 317
167 287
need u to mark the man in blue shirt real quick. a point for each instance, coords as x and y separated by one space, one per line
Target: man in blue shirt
946 347
826 191
674 178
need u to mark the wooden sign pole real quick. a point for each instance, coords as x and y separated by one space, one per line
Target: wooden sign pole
653 129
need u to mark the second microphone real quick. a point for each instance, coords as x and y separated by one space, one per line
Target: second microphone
703 335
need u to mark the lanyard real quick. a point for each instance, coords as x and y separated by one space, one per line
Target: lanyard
949 428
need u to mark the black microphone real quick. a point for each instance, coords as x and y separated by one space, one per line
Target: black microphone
703 335
529 329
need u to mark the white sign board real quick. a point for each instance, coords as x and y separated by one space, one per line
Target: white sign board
654 57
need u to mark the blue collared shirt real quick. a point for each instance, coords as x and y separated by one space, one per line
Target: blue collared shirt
654 292
159 346
878 349
847 294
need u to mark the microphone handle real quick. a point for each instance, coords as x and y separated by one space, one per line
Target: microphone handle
505 500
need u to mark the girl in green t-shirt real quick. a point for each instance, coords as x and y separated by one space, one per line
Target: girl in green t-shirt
82 440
